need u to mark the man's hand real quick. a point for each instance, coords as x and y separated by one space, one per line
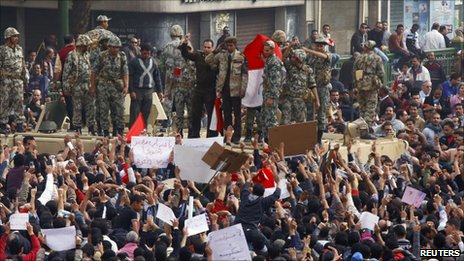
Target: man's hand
30 229
133 95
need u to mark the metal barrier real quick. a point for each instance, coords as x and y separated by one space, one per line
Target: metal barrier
445 56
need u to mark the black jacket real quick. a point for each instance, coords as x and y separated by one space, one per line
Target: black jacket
251 212
206 76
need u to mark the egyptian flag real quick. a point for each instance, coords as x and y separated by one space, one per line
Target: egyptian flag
265 177
253 52
136 129
217 122
127 174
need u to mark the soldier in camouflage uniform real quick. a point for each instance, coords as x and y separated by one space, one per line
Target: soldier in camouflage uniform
299 87
231 82
13 78
179 75
369 82
76 81
320 62
272 81
95 54
113 71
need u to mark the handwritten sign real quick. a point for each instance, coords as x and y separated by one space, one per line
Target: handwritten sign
188 158
413 197
368 220
61 239
18 221
165 214
196 225
229 244
152 152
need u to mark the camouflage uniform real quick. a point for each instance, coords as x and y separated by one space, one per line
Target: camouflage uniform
76 81
300 82
12 81
373 72
232 88
322 70
110 90
178 80
272 80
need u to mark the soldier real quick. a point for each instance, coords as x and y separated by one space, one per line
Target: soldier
231 82
272 81
76 82
103 22
95 54
113 85
299 88
144 79
320 62
178 76
368 74
12 80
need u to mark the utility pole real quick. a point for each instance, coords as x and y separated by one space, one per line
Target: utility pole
63 9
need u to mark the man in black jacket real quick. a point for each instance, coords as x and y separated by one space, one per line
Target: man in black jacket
253 206
205 92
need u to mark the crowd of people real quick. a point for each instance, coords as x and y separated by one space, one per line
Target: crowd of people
321 216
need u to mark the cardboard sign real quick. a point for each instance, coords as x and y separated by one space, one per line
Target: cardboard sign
221 159
297 137
152 152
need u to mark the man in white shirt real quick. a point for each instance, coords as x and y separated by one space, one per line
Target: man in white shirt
434 39
418 74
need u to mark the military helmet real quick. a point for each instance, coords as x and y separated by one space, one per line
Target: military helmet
300 55
10 31
114 42
279 36
48 127
83 40
176 30
104 35
370 44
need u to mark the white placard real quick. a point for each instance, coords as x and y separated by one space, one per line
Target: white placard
152 152
165 214
18 221
229 244
188 158
368 220
196 225
70 145
60 239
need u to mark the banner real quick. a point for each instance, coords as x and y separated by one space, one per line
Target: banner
442 12
188 158
152 152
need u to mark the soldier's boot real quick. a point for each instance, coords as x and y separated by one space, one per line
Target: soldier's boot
248 136
106 133
19 127
92 131
3 128
99 129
